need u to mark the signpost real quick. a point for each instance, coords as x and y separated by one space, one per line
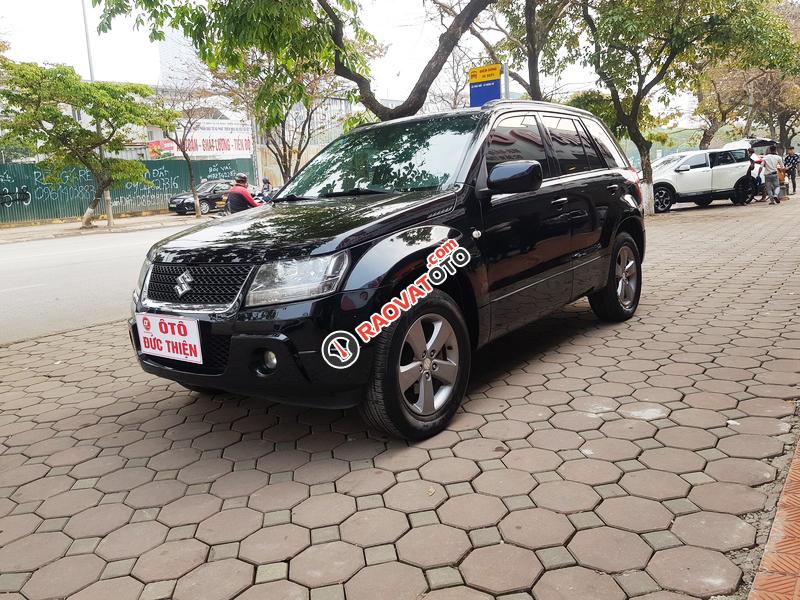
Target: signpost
484 84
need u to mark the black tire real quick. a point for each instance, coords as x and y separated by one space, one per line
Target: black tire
743 191
205 207
386 406
607 304
704 202
664 198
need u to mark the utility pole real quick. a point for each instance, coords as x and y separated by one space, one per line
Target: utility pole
107 192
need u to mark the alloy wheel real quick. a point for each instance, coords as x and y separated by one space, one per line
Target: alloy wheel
627 276
428 366
663 200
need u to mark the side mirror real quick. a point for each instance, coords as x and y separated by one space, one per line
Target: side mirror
516 176
682 169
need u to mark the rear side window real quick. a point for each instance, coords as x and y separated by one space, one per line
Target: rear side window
719 159
608 148
567 144
740 155
516 137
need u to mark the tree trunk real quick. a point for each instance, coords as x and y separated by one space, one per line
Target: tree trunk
648 199
192 184
100 189
531 31
708 135
783 132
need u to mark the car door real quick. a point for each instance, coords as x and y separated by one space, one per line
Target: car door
589 186
220 195
727 169
526 236
693 175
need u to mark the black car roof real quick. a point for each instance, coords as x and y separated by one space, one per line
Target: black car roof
492 106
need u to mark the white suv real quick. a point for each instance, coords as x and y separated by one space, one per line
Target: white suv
701 176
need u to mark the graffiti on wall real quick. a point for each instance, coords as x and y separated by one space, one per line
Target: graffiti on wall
26 194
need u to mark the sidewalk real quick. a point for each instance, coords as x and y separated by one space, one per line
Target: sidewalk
28 233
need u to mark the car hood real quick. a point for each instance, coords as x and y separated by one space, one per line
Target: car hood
299 228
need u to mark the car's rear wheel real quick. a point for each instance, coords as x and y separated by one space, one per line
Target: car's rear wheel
421 370
620 298
664 198
704 202
743 191
205 207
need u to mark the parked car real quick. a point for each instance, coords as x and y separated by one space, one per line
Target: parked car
701 176
539 195
212 195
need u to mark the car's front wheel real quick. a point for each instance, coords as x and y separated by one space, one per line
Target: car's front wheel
421 370
620 298
664 198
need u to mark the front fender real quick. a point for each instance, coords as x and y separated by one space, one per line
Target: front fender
399 257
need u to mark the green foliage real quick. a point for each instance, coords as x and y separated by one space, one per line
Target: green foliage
295 34
358 119
39 110
601 105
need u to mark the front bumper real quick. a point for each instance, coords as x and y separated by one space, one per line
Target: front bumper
233 348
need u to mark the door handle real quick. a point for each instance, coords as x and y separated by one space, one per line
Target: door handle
612 188
559 202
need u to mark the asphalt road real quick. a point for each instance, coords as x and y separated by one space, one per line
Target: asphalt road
48 286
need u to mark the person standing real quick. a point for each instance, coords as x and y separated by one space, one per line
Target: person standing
792 160
756 171
773 164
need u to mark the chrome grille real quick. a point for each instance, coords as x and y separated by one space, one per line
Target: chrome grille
208 284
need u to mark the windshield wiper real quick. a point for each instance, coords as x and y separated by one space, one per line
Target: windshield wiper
359 191
293 198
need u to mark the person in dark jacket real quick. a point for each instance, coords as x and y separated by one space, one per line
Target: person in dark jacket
239 197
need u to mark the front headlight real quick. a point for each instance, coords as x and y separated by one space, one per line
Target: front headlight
142 276
289 280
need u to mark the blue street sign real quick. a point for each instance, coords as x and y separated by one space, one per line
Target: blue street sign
481 93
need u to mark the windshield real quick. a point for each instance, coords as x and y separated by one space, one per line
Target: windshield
207 186
406 156
667 160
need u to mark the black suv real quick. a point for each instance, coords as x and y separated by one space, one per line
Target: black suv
534 201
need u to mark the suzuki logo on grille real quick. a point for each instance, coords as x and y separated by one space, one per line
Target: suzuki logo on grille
184 279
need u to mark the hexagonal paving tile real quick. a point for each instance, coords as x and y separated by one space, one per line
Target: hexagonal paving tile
449 470
388 580
32 552
432 546
472 511
189 509
694 571
751 446
610 550
131 540
364 482
229 525
688 438
610 449
415 495
536 528
218 580
656 485
732 498
326 564
283 589
63 577
504 482
590 471
170 560
98 521
501 569
577 583
374 526
634 514
278 496
628 429
674 460
555 439
741 470
481 449
323 510
274 544
565 496
714 531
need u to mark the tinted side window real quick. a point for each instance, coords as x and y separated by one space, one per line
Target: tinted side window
516 137
740 155
696 162
567 144
608 148
595 162
721 158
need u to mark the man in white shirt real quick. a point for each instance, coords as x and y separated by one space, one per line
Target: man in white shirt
773 164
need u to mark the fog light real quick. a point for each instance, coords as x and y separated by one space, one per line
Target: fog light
270 360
